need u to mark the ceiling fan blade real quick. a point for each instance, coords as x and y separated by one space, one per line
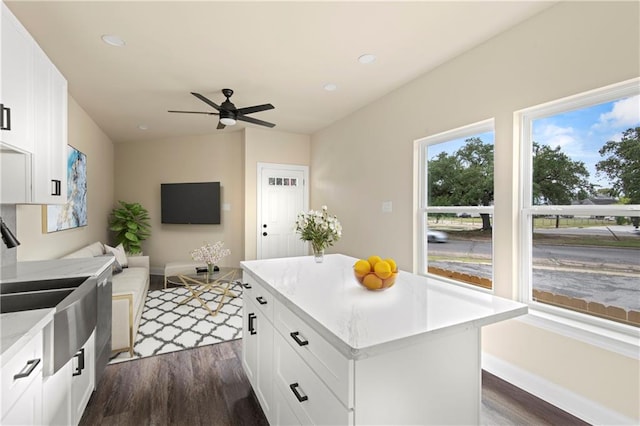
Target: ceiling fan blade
196 112
254 121
205 100
256 108
220 126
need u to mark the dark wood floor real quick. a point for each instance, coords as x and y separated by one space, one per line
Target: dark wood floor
207 386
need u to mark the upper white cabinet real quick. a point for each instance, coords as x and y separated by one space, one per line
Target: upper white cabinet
33 94
49 183
16 85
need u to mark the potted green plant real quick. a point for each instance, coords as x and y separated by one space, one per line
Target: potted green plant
130 222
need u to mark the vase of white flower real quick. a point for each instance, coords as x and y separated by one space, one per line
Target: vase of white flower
210 254
321 229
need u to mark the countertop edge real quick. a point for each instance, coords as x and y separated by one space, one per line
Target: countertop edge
34 320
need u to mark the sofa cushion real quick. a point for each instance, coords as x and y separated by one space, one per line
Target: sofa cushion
119 253
132 280
92 250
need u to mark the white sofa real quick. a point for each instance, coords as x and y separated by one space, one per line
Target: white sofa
130 289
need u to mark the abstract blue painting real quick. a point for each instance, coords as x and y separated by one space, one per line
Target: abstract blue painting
73 214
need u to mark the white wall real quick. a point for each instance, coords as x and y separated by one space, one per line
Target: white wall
267 146
367 158
143 165
87 137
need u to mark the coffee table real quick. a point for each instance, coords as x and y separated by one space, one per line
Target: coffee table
197 284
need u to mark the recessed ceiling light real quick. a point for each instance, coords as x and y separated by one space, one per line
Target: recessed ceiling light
143 127
367 58
113 40
330 87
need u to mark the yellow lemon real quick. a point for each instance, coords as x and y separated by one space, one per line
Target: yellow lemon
362 267
372 282
373 260
382 269
392 264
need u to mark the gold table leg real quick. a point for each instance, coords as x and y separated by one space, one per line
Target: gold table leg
192 285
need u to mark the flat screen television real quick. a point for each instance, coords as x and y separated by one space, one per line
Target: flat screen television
190 203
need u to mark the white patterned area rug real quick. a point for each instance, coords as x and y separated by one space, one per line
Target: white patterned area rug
168 326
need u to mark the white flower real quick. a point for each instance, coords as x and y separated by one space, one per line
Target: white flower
318 227
210 254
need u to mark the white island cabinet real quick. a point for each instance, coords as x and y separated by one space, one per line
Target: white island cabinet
336 353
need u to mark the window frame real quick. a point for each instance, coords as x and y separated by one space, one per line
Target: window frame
604 333
424 209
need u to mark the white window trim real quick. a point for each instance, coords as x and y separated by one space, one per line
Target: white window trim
422 144
610 335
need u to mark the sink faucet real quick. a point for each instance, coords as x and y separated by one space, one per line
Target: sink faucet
9 239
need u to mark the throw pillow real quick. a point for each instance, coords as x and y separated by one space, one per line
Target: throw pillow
118 252
116 268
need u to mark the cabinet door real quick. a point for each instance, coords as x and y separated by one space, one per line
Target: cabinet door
257 354
82 378
28 408
15 81
56 397
49 164
249 341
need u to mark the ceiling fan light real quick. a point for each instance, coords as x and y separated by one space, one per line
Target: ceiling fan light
227 121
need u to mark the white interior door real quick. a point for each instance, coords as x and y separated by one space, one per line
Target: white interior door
282 194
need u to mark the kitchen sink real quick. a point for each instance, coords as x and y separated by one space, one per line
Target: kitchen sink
27 286
74 319
29 300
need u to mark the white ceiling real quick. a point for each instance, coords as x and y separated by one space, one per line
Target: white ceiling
267 52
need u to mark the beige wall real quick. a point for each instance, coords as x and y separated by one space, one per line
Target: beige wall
367 158
87 137
142 166
267 146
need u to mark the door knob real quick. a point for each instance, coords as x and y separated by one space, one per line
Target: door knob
264 225
264 234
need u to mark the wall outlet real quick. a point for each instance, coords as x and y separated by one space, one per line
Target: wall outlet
387 207
226 207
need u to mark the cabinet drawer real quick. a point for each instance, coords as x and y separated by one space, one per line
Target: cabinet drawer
304 393
259 296
28 360
330 365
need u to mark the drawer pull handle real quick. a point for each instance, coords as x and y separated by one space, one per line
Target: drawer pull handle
3 125
294 388
261 300
252 330
56 186
299 341
80 367
246 285
28 369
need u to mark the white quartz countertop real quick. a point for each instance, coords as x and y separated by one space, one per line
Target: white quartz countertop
17 328
360 322
57 268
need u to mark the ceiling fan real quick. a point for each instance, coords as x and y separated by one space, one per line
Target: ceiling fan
229 113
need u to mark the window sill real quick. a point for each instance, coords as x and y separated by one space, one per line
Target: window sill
619 338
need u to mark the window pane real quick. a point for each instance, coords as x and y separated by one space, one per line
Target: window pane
588 264
588 156
458 248
460 171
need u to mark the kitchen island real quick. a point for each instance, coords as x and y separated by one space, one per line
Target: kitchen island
319 348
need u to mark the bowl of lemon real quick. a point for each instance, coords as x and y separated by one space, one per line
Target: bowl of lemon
376 273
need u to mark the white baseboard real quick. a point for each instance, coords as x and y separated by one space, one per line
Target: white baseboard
571 402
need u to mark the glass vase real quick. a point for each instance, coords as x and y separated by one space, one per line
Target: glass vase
318 254
210 270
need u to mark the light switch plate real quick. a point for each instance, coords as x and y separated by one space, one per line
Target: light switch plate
226 207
